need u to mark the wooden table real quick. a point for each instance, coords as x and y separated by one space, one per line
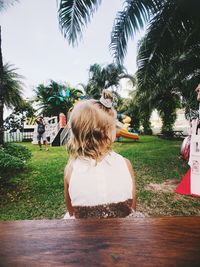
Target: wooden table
172 241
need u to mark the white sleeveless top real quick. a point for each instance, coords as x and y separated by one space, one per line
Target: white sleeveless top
108 181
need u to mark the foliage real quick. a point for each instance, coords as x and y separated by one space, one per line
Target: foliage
171 40
5 3
189 98
122 105
17 150
103 77
13 159
12 86
9 164
16 119
161 93
55 98
191 109
170 52
133 112
167 110
140 109
75 15
132 18
10 92
145 121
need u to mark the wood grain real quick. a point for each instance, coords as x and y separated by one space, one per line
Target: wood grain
167 241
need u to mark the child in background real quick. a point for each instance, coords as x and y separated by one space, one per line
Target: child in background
98 182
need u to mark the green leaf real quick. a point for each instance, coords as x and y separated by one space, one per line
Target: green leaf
74 15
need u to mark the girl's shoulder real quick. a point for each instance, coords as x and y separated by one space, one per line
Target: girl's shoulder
110 158
119 159
115 156
68 171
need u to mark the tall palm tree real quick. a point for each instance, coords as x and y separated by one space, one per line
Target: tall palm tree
3 5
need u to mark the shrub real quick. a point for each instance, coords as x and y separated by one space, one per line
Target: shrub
9 164
13 158
17 151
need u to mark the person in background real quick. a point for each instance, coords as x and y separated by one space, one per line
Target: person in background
41 132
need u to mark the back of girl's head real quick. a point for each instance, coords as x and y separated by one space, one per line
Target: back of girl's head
91 131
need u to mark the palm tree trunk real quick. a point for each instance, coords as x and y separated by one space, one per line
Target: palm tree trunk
1 96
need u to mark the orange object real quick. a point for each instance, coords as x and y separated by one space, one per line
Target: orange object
62 120
126 134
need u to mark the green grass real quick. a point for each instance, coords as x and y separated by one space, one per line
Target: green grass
38 192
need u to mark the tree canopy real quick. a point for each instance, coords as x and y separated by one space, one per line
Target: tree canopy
55 98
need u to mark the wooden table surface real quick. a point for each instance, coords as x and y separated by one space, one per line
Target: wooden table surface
167 241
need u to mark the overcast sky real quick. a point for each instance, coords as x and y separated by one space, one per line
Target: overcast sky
32 41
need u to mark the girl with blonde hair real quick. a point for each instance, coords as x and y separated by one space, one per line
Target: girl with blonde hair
98 182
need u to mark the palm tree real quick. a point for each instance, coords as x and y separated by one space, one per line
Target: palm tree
174 24
173 32
12 86
75 15
103 77
11 92
140 109
176 73
162 93
55 98
3 5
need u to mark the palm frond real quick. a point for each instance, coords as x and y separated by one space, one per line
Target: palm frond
12 86
173 32
134 16
6 3
74 15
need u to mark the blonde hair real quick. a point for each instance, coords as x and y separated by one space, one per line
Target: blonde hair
91 131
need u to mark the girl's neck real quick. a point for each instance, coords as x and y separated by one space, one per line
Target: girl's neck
97 159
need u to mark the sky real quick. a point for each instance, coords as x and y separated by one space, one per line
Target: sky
33 43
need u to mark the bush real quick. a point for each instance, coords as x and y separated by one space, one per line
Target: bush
9 164
17 151
13 158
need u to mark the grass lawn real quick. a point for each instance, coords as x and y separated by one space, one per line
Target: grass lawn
37 193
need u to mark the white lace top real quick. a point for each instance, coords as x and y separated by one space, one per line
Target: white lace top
108 181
